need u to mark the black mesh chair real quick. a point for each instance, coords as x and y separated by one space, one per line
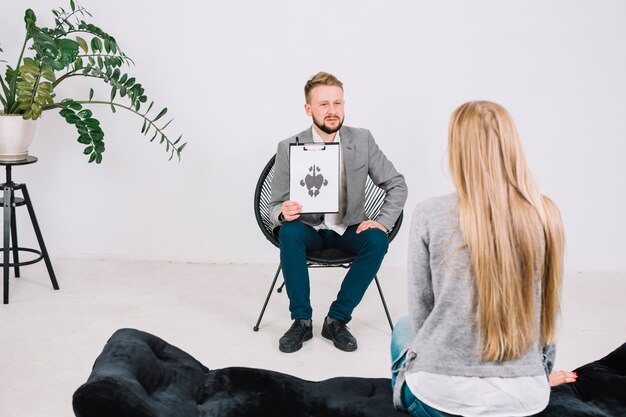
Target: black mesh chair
333 257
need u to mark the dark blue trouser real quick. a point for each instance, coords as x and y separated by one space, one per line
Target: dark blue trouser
369 246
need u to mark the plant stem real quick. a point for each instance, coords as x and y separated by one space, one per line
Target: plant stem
73 73
11 98
67 18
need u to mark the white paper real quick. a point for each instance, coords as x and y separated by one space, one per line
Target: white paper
314 177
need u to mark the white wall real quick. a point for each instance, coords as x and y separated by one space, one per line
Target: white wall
232 72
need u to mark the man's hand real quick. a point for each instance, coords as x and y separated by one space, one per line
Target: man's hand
562 377
370 224
291 210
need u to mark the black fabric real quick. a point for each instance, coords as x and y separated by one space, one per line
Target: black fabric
600 390
139 375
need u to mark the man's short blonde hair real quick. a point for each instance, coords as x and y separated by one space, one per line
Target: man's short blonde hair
321 78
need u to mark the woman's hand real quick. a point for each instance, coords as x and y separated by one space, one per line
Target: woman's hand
562 377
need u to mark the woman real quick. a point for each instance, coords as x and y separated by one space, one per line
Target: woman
485 269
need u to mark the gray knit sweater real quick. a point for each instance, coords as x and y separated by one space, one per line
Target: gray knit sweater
442 308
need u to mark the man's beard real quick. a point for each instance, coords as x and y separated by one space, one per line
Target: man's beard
326 129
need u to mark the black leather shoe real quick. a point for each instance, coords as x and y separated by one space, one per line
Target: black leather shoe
338 332
298 333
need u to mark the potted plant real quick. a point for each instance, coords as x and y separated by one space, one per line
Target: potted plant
52 55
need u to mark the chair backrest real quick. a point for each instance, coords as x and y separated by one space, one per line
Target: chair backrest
374 199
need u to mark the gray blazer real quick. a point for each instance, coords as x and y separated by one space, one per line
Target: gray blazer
361 157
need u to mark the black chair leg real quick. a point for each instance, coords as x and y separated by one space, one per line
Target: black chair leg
16 257
42 245
382 298
6 250
267 299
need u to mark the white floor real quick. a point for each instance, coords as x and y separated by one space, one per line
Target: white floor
51 338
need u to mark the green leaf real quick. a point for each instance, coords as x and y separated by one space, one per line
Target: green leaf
160 114
113 93
83 44
130 82
72 119
96 44
66 112
88 150
92 157
98 158
92 124
75 106
90 94
84 139
167 124
48 74
67 51
85 114
72 5
181 147
30 19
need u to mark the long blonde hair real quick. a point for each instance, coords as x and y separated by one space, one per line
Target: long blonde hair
513 233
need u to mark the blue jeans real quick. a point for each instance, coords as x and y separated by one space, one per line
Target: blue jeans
295 237
401 337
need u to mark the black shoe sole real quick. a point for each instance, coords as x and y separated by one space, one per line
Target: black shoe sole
327 335
297 347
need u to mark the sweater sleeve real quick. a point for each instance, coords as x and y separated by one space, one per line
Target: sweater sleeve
420 289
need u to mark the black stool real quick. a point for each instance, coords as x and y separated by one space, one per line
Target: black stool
9 202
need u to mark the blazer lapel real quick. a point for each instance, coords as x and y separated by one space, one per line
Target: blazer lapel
348 148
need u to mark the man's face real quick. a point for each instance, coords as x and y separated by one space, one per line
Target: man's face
326 107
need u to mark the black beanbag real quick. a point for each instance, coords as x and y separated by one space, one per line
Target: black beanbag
139 375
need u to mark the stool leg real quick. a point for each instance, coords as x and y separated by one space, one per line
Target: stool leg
6 203
16 256
42 245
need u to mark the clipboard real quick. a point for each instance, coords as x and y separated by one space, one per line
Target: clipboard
314 176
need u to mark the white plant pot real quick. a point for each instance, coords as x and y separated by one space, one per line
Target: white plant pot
16 135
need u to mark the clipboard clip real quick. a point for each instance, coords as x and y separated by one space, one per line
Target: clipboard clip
314 147
310 146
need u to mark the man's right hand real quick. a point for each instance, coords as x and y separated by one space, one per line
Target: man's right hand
291 210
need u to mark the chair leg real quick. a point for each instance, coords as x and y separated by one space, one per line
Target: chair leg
382 298
267 299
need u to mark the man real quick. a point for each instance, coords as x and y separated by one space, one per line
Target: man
349 229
